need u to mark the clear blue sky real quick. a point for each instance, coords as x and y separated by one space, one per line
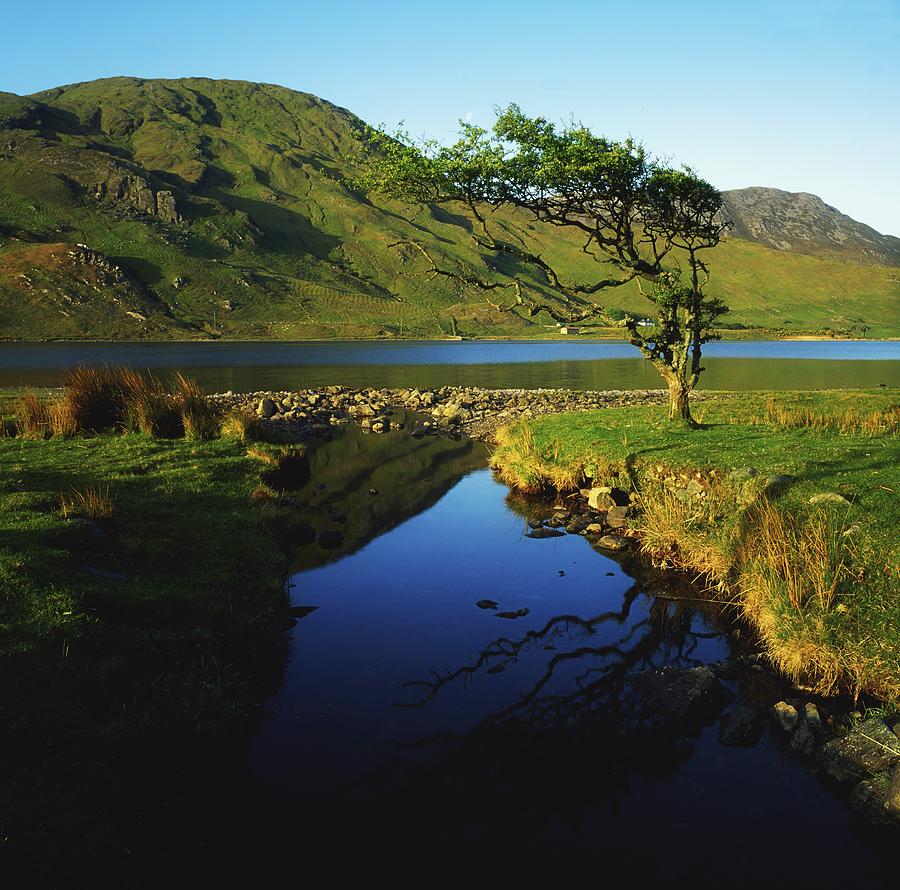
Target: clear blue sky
802 95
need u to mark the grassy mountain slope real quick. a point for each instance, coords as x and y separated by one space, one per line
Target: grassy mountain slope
224 208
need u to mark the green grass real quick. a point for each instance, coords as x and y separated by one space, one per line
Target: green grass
276 242
825 603
135 647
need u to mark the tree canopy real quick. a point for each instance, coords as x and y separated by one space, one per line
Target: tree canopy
641 219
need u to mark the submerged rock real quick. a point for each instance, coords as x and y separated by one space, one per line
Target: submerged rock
677 695
868 748
892 796
539 533
740 726
869 800
803 739
330 539
487 604
519 613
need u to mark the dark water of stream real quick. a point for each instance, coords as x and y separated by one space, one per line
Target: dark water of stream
419 740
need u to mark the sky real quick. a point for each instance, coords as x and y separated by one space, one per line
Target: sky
801 95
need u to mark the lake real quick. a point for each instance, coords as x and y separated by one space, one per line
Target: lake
419 736
243 367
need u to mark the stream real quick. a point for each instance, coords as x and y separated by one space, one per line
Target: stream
465 704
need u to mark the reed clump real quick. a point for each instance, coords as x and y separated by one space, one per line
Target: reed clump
199 417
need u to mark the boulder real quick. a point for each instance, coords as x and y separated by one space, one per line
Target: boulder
266 408
778 482
613 542
868 748
786 716
603 497
812 716
829 497
616 516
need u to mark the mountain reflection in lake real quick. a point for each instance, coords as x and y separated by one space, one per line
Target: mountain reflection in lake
420 737
248 367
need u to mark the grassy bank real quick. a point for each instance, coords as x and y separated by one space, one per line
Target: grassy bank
818 580
142 621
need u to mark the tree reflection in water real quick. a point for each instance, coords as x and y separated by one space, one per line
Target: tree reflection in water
596 693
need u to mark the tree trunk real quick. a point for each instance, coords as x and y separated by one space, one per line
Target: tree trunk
679 401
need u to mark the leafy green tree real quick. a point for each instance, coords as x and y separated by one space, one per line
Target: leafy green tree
640 219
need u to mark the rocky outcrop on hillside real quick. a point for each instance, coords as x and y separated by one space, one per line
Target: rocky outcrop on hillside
804 223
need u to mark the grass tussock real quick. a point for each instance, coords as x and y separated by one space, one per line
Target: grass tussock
91 502
33 417
113 399
100 399
242 426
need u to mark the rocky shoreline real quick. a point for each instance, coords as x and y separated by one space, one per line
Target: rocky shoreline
472 411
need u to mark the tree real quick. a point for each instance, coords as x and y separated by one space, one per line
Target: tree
639 218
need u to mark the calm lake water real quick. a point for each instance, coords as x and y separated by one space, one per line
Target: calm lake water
418 737
244 367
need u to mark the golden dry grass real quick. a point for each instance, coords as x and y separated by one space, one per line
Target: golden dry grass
847 421
88 503
695 533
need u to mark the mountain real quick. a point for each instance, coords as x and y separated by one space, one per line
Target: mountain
159 209
804 223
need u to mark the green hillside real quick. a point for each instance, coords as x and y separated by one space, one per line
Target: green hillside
221 208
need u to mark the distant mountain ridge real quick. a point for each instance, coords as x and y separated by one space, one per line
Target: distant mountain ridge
159 209
804 223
